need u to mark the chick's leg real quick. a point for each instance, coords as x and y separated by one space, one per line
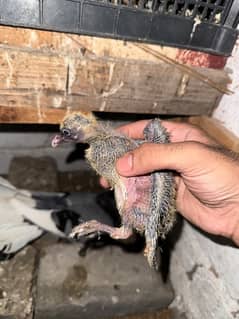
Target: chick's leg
94 226
154 132
152 252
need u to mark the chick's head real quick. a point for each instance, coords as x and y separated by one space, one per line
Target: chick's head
76 127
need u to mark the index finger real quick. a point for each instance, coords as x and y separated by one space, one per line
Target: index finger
181 131
134 130
178 131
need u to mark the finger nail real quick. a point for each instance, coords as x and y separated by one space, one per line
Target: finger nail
125 163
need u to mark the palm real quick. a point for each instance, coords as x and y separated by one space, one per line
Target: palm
207 189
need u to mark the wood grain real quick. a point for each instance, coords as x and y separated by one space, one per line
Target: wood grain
46 70
217 131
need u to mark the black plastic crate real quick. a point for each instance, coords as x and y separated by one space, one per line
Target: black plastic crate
205 25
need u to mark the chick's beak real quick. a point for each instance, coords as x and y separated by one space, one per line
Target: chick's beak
58 139
62 138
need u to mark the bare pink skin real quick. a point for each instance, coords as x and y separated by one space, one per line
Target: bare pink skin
56 141
139 199
138 190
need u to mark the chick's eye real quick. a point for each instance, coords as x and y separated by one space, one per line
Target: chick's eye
66 132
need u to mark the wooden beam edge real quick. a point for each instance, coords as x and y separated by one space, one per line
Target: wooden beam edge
30 115
217 131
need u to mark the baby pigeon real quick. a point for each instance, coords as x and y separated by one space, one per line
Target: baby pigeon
145 203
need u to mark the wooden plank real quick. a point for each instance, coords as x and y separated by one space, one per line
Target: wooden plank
24 70
216 130
75 45
29 115
40 80
71 44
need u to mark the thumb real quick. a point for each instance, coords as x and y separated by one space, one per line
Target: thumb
150 157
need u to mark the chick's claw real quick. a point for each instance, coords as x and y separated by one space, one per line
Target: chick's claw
94 226
86 228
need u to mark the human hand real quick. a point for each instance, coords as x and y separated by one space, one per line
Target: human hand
207 182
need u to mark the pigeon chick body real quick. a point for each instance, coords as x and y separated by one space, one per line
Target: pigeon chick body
145 203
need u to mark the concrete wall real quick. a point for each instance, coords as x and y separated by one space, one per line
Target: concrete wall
38 144
205 277
204 273
32 144
228 110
